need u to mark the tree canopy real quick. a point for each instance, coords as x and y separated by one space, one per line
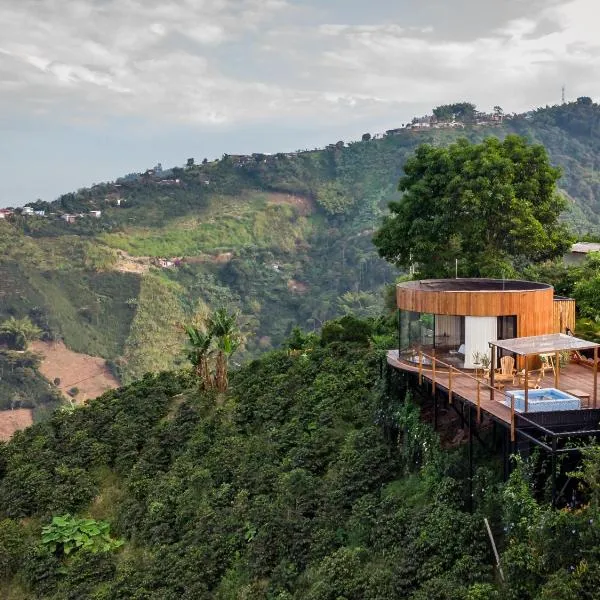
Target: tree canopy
465 111
493 207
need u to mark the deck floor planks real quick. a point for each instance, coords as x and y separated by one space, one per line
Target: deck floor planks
572 376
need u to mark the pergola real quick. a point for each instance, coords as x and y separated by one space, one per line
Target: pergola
550 344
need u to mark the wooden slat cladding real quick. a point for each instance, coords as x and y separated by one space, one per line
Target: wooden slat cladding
533 308
564 314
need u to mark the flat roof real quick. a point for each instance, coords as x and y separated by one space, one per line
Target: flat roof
472 284
543 344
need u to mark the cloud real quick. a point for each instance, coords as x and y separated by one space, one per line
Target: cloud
216 62
513 61
129 57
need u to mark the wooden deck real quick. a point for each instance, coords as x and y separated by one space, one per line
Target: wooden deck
464 384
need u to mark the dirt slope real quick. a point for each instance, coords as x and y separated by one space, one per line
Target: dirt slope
14 420
87 373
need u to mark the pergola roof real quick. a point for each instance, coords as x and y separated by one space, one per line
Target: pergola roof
543 344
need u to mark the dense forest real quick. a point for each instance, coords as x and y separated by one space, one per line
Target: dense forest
310 478
286 239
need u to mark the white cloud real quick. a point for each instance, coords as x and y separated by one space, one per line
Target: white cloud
128 56
231 61
513 62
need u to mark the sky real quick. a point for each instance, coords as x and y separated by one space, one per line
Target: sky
93 89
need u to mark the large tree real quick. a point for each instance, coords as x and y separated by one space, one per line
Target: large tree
493 207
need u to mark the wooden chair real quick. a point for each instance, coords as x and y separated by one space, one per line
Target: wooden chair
507 371
536 377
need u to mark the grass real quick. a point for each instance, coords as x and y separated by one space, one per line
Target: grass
228 224
156 340
90 311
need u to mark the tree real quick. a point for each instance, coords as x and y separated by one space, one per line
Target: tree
366 137
217 337
198 351
493 207
16 333
463 111
222 325
189 163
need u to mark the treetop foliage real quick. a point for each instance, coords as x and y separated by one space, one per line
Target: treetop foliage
464 111
492 207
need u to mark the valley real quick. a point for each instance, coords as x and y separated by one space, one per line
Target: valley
285 239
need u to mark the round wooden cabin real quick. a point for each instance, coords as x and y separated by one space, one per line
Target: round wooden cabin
457 318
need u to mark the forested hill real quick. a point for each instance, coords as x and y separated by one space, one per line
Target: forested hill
284 238
307 480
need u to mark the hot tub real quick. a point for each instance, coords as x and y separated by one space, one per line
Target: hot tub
544 400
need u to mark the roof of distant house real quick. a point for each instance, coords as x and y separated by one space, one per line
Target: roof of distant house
585 247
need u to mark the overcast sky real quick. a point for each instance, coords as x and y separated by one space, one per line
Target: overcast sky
93 89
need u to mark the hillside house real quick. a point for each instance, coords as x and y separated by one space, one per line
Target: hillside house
499 351
95 213
164 263
5 212
69 218
39 213
579 251
27 210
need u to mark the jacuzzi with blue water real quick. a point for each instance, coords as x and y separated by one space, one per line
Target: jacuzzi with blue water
543 400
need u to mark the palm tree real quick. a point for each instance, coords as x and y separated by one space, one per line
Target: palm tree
18 332
198 351
223 326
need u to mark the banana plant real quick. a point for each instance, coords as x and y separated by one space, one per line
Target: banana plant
198 352
223 326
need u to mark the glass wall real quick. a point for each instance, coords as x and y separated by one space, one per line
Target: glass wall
447 338
415 331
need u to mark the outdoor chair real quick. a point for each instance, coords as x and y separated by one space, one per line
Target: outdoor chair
536 378
507 370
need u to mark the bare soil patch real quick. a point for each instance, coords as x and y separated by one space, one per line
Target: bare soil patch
132 264
89 374
297 286
305 205
14 420
222 258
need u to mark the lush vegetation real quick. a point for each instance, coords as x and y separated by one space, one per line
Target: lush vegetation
308 479
479 209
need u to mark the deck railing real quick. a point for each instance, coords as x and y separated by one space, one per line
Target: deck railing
451 369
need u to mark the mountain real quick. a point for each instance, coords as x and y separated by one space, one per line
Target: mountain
114 270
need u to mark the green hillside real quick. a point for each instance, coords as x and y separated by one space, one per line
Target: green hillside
308 479
284 238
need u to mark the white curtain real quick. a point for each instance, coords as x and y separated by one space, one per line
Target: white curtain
478 332
447 331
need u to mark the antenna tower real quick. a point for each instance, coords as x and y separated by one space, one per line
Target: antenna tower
563 94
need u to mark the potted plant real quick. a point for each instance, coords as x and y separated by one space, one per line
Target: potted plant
481 359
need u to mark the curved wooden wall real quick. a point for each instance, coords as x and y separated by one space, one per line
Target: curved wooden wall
534 309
